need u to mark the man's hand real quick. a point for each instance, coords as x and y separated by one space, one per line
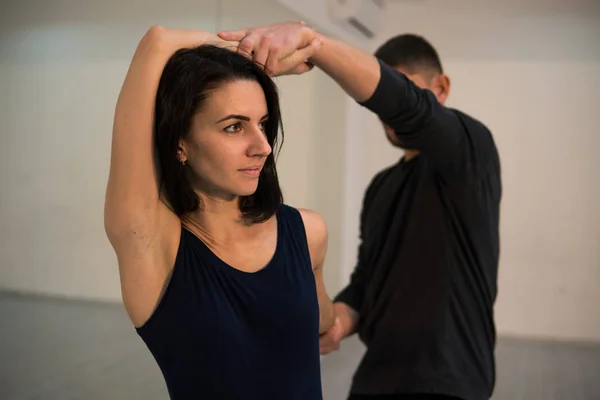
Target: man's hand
281 49
331 340
346 323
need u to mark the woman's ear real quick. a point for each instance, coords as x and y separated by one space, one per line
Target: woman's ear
181 153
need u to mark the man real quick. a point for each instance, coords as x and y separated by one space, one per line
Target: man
421 296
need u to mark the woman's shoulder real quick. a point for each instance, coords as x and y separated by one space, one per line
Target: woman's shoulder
315 228
312 220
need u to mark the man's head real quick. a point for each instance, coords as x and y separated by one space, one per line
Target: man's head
416 58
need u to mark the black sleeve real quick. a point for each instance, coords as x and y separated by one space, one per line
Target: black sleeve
418 119
353 294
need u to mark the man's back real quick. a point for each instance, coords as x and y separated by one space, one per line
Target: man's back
425 285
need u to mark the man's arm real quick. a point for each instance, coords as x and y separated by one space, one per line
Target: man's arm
346 306
418 119
354 293
348 303
355 70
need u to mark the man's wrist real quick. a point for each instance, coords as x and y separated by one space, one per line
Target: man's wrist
318 56
347 316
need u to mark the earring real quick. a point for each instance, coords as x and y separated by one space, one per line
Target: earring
183 162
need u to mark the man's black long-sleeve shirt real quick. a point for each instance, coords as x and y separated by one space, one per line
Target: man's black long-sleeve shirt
425 281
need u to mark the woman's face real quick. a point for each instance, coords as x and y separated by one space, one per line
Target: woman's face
226 148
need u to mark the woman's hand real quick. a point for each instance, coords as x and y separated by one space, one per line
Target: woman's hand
168 40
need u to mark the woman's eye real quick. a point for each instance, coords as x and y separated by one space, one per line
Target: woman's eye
261 125
235 128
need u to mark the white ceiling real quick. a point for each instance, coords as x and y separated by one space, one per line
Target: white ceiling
558 30
506 6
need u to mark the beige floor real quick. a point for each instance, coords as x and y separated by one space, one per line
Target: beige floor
55 349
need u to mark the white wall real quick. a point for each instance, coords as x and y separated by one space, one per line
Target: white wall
61 68
317 13
532 74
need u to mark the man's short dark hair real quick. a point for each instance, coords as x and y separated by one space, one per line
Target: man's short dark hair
412 52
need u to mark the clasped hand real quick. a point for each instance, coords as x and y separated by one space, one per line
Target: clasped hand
281 49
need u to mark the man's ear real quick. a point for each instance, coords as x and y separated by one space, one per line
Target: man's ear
441 87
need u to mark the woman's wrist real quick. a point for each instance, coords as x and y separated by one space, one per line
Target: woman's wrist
165 41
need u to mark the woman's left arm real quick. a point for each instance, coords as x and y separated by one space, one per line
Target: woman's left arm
316 234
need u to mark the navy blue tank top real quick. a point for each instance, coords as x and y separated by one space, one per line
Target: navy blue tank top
221 333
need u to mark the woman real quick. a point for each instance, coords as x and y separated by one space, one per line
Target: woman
221 280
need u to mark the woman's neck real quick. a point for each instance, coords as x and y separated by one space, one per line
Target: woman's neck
217 220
